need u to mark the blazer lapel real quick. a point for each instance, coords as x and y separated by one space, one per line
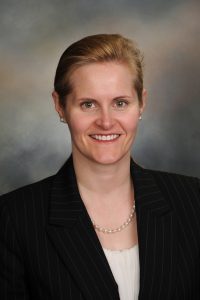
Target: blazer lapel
157 237
71 232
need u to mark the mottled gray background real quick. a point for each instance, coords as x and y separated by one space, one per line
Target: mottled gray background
33 34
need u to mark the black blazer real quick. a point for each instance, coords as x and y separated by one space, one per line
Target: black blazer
49 249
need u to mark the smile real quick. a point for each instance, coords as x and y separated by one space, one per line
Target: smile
109 137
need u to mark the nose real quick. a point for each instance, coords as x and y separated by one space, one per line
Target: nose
105 119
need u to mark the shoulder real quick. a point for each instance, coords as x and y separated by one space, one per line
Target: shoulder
175 180
168 180
182 191
25 207
35 198
24 196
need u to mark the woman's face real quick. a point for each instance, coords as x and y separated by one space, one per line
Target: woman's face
102 112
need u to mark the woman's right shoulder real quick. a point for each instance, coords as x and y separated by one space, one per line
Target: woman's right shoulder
36 191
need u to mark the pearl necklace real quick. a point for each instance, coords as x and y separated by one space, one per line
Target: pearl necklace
118 229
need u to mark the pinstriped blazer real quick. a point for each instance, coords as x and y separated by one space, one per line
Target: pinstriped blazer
49 249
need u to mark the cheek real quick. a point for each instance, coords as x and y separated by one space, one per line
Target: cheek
78 124
130 123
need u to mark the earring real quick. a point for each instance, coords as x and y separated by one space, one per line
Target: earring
62 120
140 117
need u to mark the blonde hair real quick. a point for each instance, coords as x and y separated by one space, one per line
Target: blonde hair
98 48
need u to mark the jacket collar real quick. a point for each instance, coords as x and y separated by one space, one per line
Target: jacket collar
148 194
69 224
157 235
71 232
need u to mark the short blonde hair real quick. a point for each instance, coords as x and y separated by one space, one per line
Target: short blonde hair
98 48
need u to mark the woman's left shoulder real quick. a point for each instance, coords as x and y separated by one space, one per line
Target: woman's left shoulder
177 184
181 191
176 178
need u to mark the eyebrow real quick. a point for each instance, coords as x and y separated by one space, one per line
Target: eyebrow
92 99
123 96
86 99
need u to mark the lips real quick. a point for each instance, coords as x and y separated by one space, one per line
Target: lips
105 137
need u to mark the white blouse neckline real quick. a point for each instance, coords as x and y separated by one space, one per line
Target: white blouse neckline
124 265
121 250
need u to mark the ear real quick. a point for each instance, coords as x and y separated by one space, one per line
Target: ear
144 99
58 106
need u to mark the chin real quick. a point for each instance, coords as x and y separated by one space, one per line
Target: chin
107 159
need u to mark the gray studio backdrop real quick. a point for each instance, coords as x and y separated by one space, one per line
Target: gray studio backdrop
33 34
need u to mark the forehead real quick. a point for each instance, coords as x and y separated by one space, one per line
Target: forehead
102 78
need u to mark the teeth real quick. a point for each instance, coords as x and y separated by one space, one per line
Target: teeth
105 137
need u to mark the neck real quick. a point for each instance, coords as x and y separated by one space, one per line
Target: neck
102 179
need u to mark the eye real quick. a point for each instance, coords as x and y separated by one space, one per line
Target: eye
88 105
121 103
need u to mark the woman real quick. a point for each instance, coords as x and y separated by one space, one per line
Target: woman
102 227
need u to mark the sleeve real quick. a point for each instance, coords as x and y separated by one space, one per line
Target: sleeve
12 273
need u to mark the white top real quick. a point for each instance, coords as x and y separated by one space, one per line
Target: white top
124 265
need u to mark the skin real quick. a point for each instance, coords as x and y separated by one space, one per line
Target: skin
102 114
